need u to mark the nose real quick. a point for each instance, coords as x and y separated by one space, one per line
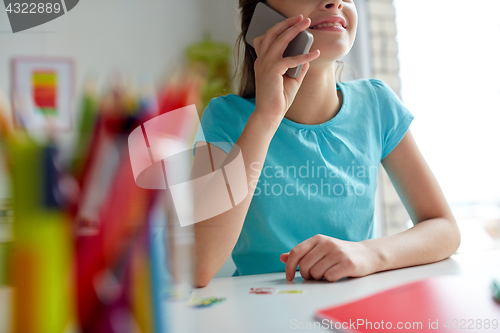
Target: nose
333 3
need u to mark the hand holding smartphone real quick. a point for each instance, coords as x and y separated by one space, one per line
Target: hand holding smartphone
264 18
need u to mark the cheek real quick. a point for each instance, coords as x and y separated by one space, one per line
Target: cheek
354 26
352 16
352 36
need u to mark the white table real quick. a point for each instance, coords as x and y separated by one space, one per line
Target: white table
244 312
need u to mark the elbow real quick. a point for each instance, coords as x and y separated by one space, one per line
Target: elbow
202 279
201 283
458 239
454 236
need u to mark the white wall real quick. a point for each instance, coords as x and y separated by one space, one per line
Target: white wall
133 36
450 81
221 18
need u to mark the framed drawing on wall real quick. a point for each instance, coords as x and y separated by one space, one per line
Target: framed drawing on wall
42 92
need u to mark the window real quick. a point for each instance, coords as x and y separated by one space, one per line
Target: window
449 53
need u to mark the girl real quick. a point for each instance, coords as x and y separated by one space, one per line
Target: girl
311 154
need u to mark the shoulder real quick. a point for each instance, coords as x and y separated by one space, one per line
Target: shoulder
377 83
362 83
365 93
225 117
383 95
366 88
229 107
383 91
231 100
217 105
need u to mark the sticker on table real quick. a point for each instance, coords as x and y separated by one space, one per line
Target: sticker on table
290 291
206 302
262 291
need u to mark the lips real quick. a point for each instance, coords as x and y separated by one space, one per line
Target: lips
330 19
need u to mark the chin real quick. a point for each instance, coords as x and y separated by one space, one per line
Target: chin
334 47
330 55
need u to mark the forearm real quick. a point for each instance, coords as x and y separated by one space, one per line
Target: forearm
429 241
216 237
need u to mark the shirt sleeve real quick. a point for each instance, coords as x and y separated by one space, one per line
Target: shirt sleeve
218 125
395 119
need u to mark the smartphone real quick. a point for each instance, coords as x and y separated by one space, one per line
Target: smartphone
264 18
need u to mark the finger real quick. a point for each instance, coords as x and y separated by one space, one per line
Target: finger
309 260
303 72
257 41
284 257
276 30
319 269
297 253
335 273
291 62
281 43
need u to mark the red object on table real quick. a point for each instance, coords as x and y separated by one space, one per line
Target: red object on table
440 304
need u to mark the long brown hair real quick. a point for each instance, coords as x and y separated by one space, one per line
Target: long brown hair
246 88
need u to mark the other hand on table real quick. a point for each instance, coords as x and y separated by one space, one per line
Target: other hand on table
326 257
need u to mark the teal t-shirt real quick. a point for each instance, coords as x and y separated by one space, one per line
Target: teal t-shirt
316 179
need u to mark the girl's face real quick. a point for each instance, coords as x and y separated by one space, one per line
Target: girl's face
332 44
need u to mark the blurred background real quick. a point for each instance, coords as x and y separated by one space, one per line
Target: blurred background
110 256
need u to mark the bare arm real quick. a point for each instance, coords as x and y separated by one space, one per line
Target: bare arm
216 237
435 235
